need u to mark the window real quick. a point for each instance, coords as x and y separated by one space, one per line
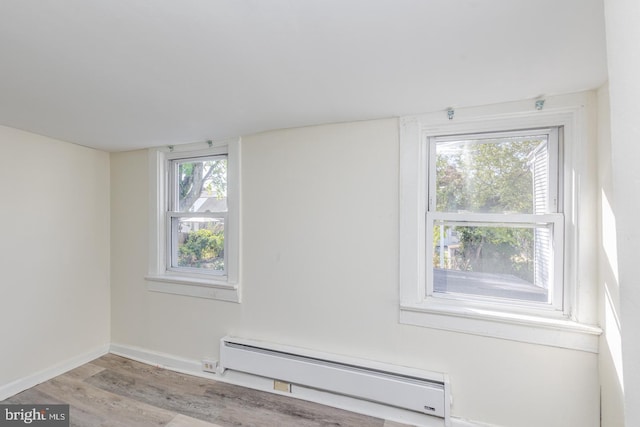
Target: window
195 220
197 214
494 226
497 223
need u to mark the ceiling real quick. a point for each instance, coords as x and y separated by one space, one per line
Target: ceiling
126 74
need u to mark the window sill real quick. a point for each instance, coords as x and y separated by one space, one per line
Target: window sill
553 332
193 287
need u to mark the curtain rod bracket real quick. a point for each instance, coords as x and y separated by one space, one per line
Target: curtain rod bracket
450 113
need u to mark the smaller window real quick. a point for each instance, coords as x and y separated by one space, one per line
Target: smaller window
197 215
195 220
494 229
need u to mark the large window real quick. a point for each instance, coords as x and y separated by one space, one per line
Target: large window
195 220
494 225
497 222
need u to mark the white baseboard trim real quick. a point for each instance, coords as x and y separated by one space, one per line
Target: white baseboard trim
459 422
161 360
32 380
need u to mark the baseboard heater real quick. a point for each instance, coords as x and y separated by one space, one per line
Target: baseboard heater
406 388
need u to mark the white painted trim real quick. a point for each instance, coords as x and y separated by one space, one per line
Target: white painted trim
39 377
179 285
559 333
161 360
459 422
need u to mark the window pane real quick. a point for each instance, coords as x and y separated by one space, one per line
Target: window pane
496 175
503 261
200 243
202 185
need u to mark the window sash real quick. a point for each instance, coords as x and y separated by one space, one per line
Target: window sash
173 178
172 245
173 215
556 289
554 137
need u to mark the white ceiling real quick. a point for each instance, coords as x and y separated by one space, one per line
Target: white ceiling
126 74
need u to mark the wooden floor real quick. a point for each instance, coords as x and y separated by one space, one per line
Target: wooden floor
114 391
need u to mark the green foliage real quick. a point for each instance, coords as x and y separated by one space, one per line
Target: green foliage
201 176
490 177
451 194
498 250
199 247
436 238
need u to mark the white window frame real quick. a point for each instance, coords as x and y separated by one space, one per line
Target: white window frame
162 277
569 325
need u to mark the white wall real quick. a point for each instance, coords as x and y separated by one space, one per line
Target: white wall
610 358
623 33
54 253
320 270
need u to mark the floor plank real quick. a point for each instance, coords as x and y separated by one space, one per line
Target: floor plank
106 408
113 391
163 378
275 410
184 421
33 396
155 393
78 417
395 424
83 372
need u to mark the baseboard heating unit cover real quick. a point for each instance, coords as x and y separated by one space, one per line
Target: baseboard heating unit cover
401 387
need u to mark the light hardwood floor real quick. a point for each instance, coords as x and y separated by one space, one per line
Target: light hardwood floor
115 391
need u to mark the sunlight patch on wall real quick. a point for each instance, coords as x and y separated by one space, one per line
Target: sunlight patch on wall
613 335
611 288
609 241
